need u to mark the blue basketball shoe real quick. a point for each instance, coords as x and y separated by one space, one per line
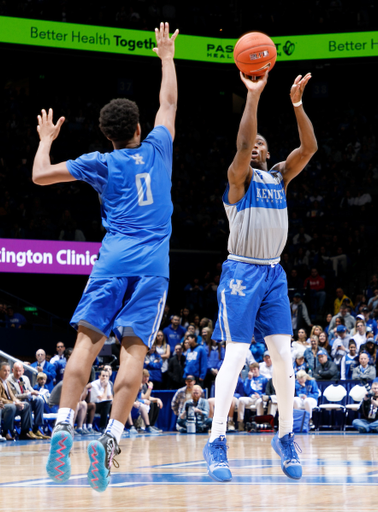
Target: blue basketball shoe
58 465
286 448
101 457
215 455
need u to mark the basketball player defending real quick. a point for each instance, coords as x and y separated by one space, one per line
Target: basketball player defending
252 294
127 289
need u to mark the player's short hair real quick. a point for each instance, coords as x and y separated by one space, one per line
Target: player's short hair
262 136
119 119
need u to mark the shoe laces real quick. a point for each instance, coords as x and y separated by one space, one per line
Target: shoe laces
291 447
220 453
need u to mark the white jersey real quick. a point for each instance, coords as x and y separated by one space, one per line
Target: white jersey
258 222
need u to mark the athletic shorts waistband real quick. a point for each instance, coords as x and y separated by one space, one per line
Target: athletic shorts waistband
254 261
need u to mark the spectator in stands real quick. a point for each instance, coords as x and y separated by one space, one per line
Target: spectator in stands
370 347
60 348
373 301
369 412
340 296
164 351
174 332
176 367
349 320
299 314
328 322
14 319
13 407
306 392
254 388
325 369
359 333
200 408
206 334
140 409
196 360
270 398
316 284
300 345
369 320
22 390
101 395
300 363
364 371
155 403
184 318
316 330
257 349
153 363
182 395
44 393
44 366
215 357
340 346
266 367
324 343
311 353
60 364
349 361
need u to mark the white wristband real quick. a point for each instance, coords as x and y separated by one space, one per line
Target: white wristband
298 104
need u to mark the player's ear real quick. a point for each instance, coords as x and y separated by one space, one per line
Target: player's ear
268 155
138 131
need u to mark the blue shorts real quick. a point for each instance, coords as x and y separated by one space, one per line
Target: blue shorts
130 306
252 301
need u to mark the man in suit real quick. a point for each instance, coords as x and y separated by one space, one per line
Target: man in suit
44 366
13 408
22 390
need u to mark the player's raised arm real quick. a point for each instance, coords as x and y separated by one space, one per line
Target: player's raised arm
299 158
240 167
166 114
43 172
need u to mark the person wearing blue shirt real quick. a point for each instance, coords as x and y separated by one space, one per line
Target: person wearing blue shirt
127 289
306 392
349 361
254 388
44 366
174 332
196 359
215 356
153 363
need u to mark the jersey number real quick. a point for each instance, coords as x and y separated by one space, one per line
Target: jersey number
144 192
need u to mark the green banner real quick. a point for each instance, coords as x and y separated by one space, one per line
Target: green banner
72 36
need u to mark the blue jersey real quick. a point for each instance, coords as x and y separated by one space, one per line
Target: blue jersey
255 385
134 186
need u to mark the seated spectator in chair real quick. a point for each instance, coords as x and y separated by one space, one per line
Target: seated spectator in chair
239 391
154 363
155 403
370 347
174 332
23 392
325 369
200 409
14 319
364 371
44 366
306 392
164 350
368 423
266 367
141 409
176 367
60 364
44 393
340 297
254 388
12 408
324 342
310 354
359 334
215 356
300 344
299 314
196 360
270 397
182 395
102 396
349 361
349 320
340 345
300 363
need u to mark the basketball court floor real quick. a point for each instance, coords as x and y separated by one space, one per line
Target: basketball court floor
167 473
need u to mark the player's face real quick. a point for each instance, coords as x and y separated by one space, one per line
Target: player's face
260 153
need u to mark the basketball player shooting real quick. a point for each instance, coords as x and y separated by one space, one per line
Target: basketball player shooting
252 294
127 289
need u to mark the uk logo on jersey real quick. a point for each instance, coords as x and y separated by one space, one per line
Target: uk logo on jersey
138 159
237 288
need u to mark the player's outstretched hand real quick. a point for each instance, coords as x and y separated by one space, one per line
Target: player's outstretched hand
296 91
255 85
46 128
165 44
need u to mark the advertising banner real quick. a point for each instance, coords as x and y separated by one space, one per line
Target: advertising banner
47 256
73 36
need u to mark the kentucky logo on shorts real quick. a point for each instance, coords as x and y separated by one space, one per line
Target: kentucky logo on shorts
237 289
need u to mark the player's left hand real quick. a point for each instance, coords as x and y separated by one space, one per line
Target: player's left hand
165 45
46 128
296 91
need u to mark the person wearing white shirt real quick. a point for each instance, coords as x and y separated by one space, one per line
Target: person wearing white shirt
101 395
60 348
266 367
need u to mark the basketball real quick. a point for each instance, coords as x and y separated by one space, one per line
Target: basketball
255 54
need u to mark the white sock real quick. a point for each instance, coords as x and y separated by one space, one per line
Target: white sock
115 428
65 415
89 426
283 379
225 384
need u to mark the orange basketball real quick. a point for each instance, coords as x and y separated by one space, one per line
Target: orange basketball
255 54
